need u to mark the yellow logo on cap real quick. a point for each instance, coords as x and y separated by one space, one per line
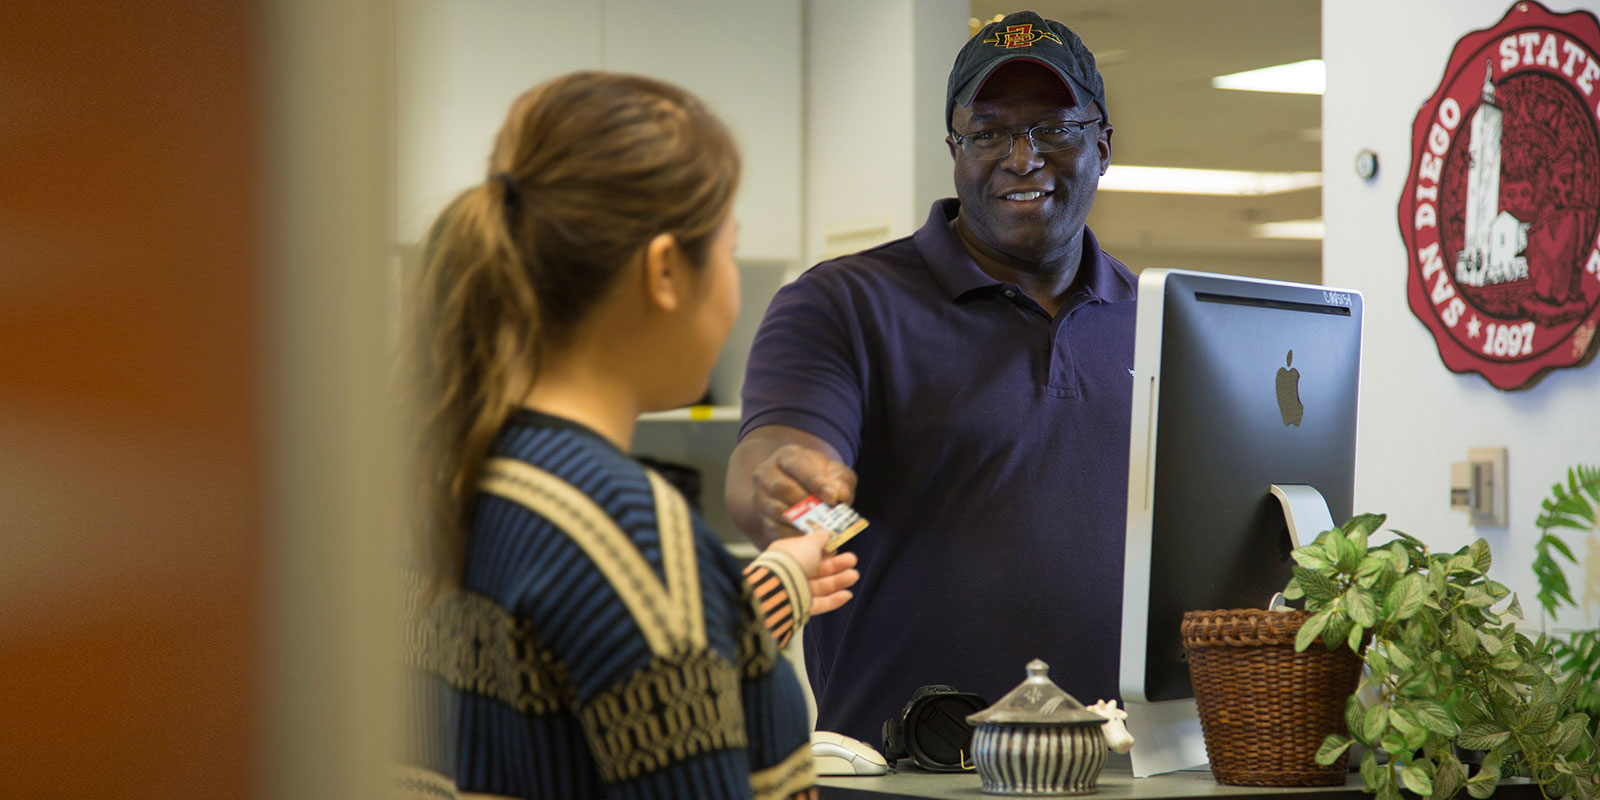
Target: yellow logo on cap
1020 36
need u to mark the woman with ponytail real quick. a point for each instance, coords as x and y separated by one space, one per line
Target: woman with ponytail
576 630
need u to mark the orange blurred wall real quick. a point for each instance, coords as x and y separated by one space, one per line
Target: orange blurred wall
131 367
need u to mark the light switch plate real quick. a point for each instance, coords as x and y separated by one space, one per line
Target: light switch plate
1492 483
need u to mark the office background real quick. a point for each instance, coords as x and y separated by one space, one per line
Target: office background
206 203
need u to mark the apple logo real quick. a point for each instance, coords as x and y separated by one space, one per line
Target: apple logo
1289 392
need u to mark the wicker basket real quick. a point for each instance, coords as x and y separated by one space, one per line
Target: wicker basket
1264 708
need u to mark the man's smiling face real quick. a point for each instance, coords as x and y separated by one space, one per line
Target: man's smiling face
1028 205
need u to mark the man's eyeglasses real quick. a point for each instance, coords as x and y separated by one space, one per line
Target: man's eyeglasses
1045 138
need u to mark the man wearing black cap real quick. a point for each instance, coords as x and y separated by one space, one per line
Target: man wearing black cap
967 390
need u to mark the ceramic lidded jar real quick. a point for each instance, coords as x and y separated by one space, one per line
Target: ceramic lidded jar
1038 740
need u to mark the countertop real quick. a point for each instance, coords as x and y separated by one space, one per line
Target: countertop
1115 781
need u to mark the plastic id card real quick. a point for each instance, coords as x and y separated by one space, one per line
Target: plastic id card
840 521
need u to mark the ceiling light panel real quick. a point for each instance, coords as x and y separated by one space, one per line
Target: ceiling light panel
1289 229
1300 77
1174 180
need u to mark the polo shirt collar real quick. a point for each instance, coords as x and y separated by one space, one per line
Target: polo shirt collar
956 273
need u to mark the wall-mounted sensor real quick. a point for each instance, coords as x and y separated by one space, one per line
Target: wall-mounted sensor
1366 164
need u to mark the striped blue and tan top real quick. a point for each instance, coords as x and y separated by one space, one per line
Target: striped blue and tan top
603 642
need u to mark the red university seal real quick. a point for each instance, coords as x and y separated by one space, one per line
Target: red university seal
1501 208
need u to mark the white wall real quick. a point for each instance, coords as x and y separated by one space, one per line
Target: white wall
875 84
743 59
460 64
1385 59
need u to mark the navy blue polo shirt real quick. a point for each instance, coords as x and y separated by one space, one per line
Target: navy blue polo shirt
991 445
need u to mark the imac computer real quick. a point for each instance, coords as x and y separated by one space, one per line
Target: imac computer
1243 435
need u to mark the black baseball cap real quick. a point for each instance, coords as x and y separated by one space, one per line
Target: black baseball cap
1025 36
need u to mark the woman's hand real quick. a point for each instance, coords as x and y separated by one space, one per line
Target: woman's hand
831 574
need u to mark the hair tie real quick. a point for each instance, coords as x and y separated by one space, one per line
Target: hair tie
510 198
509 189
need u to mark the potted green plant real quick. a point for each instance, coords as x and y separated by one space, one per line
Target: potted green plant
1446 668
1575 506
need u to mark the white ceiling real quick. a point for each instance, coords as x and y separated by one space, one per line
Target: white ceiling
1158 58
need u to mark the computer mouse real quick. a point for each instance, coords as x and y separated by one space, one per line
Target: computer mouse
837 754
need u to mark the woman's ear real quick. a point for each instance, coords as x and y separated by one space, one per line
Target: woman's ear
664 273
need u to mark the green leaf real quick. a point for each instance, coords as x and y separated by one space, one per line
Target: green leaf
1416 682
1491 763
1463 638
1560 545
1536 719
1434 717
1312 556
1568 735
1317 586
1402 721
1490 642
1349 558
1387 791
1399 657
1360 606
1544 688
1311 629
1338 625
1437 583
1375 723
1353 639
1506 661
1370 771
1449 777
1571 689
1482 736
1478 598
1354 714
1377 662
1483 784
1405 598
1332 747
1293 590
1416 780
1415 737
1372 567
1481 558
1358 543
1503 683
1515 609
1365 524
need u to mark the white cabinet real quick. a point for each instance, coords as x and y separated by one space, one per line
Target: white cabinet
458 66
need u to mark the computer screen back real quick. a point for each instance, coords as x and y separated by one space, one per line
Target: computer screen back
1238 384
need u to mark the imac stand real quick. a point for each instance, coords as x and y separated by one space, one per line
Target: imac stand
1167 735
1304 509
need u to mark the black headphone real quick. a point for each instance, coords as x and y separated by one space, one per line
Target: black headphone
932 730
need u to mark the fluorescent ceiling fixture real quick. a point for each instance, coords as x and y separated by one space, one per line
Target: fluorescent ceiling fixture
1301 77
1174 180
1289 229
